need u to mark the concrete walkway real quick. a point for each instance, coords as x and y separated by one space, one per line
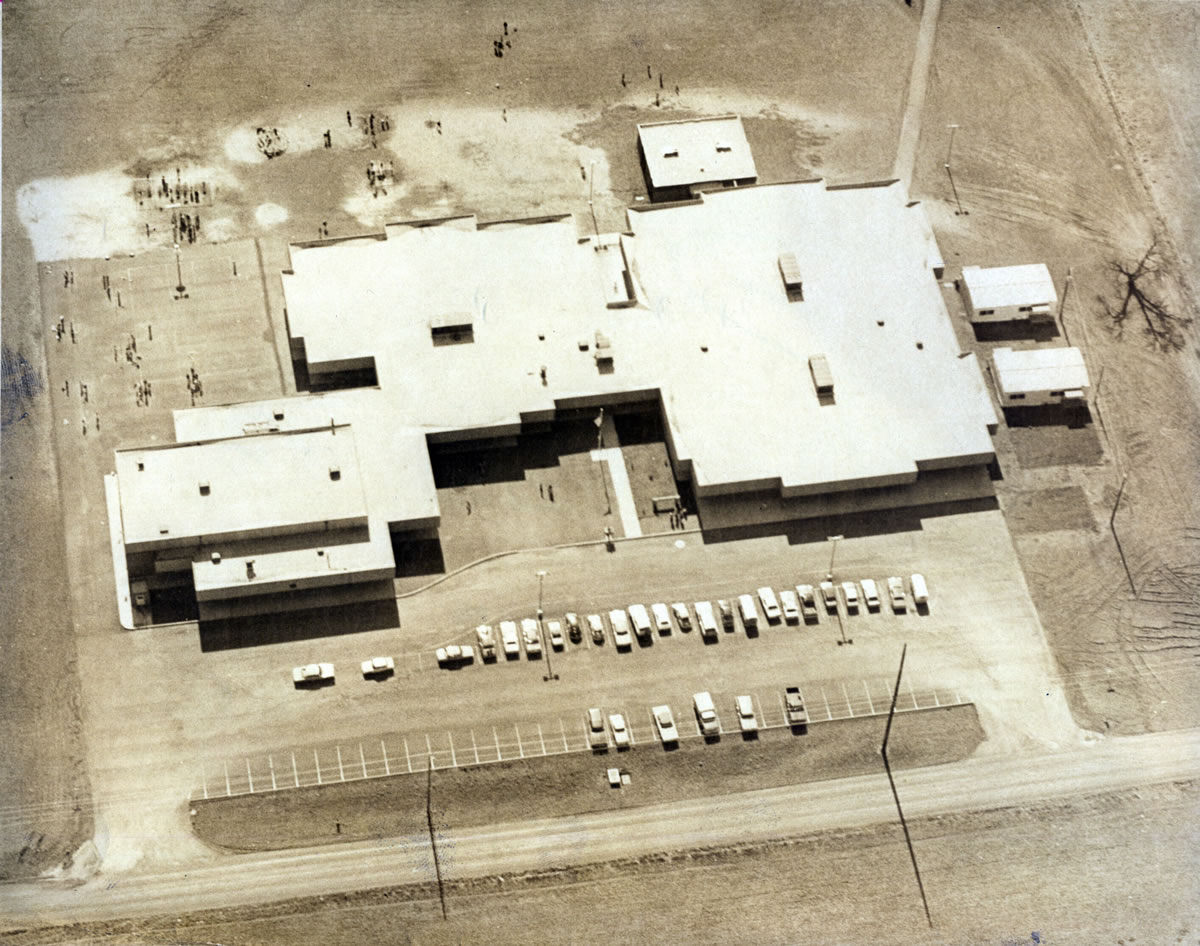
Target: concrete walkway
910 129
112 498
626 507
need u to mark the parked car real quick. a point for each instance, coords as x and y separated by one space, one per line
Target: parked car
745 711
555 633
850 592
705 620
662 618
574 630
829 596
790 606
870 594
312 673
640 620
597 736
770 606
919 591
749 613
378 667
487 642
512 643
682 617
620 732
453 655
666 724
620 629
793 705
706 713
596 627
532 635
896 593
808 603
726 610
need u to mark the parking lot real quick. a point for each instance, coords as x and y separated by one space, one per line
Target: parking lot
408 753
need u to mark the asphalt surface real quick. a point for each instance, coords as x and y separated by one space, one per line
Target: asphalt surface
974 784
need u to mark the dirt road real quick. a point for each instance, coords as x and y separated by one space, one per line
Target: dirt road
773 813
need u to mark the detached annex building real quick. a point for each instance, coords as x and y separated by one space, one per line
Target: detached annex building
1008 293
792 338
1037 376
682 158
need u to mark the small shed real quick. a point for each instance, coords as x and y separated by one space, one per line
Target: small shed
1036 376
1008 293
680 158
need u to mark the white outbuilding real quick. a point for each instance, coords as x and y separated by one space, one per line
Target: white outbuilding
1037 376
1008 293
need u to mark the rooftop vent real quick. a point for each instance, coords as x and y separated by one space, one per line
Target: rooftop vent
452 327
205 489
278 415
724 147
670 152
141 466
250 568
215 558
335 472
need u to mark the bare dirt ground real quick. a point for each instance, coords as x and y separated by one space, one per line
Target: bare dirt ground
1051 174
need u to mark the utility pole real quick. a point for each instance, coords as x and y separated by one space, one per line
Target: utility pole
960 212
887 767
437 864
591 206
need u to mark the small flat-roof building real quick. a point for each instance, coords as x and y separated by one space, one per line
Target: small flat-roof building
1036 376
681 158
1008 293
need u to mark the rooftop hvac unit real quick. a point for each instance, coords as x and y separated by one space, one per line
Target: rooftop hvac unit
604 351
789 270
821 375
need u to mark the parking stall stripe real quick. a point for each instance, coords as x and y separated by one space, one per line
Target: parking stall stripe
204 779
935 697
429 749
849 708
363 758
828 713
913 695
453 757
341 771
295 771
271 762
782 708
228 790
499 756
520 748
475 746
387 769
563 729
870 702
541 739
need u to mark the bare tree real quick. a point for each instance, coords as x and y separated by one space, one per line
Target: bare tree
1139 289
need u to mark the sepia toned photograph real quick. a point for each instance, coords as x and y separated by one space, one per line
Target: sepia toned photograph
549 471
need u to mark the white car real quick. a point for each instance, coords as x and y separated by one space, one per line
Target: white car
616 722
896 593
512 643
681 615
790 606
745 711
455 654
662 618
312 673
829 596
870 593
850 591
596 628
769 605
666 724
808 602
378 666
620 629
554 632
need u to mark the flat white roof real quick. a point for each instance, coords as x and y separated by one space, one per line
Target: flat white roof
255 485
696 151
397 478
998 287
1039 369
713 332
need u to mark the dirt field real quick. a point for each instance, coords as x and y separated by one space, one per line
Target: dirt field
547 787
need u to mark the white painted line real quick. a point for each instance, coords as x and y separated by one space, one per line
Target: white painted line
228 790
782 706
429 748
204 779
828 712
520 748
870 702
341 771
499 757
271 761
935 697
849 708
541 739
116 537
407 757
761 715
563 729
387 769
916 705
453 757
318 762
363 758
295 771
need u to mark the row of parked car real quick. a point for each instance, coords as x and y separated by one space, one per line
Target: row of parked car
624 624
707 720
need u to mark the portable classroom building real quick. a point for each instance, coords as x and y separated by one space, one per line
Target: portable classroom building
1008 293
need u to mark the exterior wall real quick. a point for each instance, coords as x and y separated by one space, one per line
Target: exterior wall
1039 398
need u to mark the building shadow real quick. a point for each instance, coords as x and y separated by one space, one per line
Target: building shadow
1042 330
289 626
418 556
1074 416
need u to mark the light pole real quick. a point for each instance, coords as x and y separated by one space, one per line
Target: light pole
950 150
829 577
591 206
546 648
960 212
180 290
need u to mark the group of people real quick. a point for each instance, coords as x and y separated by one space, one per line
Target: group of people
185 227
369 126
378 173
142 391
181 192
661 85
503 43
270 142
195 385
60 329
